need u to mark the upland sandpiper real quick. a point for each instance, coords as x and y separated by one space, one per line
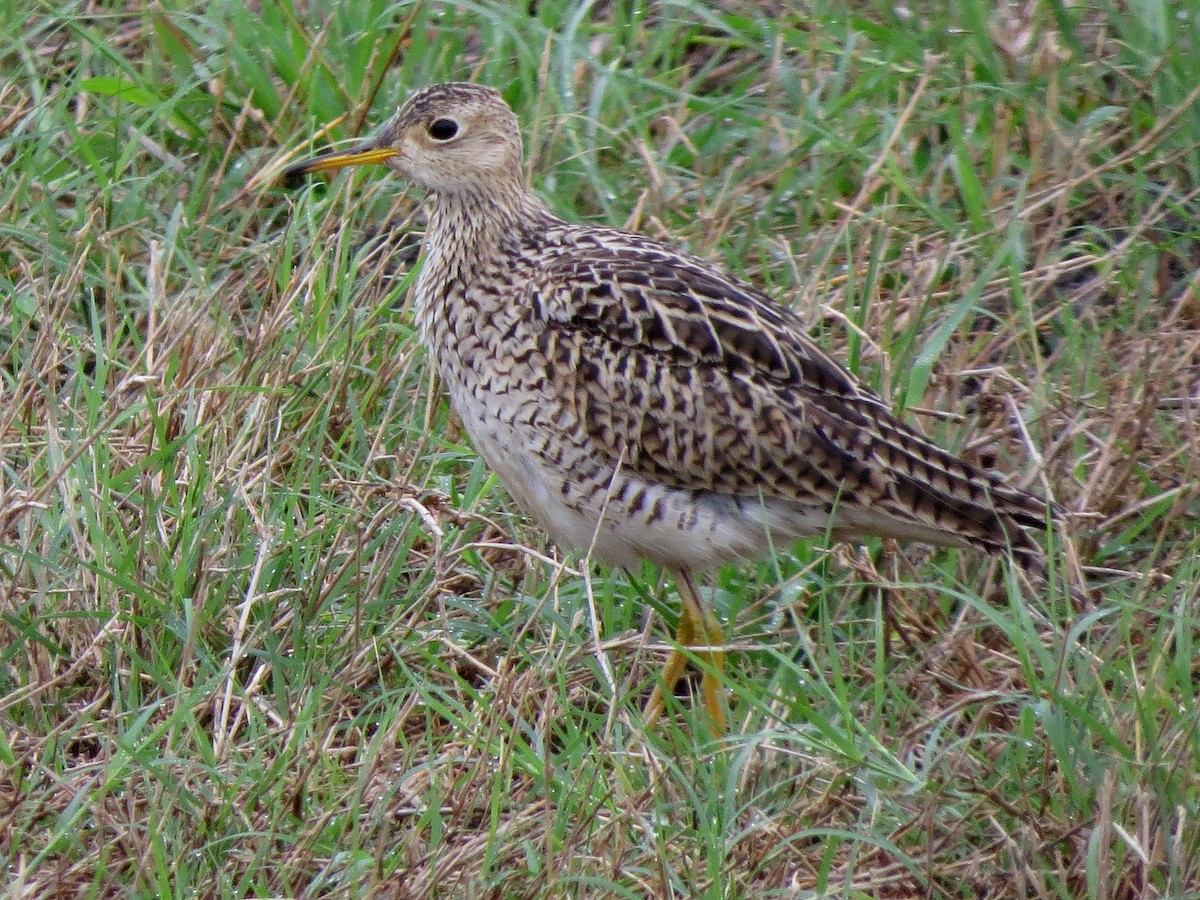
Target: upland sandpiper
640 402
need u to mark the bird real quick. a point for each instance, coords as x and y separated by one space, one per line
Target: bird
641 403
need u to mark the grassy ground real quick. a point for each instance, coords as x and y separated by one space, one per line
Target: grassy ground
267 625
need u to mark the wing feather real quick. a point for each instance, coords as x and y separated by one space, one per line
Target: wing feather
698 381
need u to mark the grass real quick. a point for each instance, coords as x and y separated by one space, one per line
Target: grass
270 628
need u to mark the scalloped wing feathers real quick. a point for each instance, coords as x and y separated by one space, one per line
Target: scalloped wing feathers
698 381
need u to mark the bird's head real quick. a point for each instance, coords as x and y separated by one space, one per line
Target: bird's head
448 138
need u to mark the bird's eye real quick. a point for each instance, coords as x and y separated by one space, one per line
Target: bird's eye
443 129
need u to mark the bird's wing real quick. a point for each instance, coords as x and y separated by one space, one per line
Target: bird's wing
698 381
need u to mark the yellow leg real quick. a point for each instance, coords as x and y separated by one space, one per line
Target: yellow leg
697 627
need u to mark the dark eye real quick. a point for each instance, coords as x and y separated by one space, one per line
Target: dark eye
443 129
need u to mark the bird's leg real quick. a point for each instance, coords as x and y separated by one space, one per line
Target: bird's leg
697 627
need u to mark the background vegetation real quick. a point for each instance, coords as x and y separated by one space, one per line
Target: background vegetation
267 625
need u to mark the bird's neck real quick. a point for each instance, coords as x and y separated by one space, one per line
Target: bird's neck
473 239
471 227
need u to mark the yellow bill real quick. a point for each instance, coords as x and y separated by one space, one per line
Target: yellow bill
362 155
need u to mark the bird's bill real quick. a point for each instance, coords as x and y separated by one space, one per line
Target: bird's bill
362 155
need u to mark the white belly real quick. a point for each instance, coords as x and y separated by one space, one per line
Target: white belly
622 519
